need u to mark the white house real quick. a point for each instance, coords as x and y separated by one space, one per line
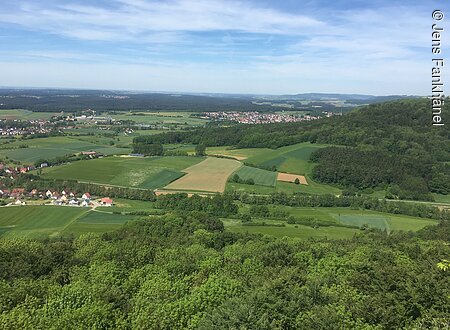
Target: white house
48 194
86 196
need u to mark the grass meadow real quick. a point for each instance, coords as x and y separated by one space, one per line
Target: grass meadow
137 172
21 114
52 147
168 118
291 159
48 220
346 216
259 176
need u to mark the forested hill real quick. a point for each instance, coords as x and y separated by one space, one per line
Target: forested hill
390 143
186 272
386 125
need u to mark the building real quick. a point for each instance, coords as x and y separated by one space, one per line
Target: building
17 192
106 201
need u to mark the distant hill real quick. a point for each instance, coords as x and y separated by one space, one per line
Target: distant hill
72 100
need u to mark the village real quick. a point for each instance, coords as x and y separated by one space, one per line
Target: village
254 117
20 197
30 127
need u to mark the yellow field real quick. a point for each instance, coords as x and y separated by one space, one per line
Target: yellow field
210 175
286 177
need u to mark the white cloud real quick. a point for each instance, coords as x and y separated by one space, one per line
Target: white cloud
171 46
134 18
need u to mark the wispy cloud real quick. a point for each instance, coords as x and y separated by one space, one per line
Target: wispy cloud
268 45
134 18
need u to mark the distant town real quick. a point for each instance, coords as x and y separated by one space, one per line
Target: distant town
254 117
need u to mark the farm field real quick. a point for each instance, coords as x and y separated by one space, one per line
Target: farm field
22 114
259 176
286 177
358 218
178 118
372 219
297 231
441 198
137 172
45 221
36 221
210 175
291 159
287 187
52 147
94 221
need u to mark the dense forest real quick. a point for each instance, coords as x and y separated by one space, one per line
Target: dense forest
390 144
183 271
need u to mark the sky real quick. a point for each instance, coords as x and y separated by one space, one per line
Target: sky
379 47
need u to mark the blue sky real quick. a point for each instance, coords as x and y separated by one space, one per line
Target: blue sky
277 47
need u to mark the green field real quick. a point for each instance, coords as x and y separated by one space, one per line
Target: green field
167 118
52 147
21 114
345 216
291 159
287 187
442 198
298 231
147 173
259 176
49 220
37 221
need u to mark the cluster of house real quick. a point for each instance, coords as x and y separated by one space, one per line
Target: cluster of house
33 127
12 172
254 117
63 198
